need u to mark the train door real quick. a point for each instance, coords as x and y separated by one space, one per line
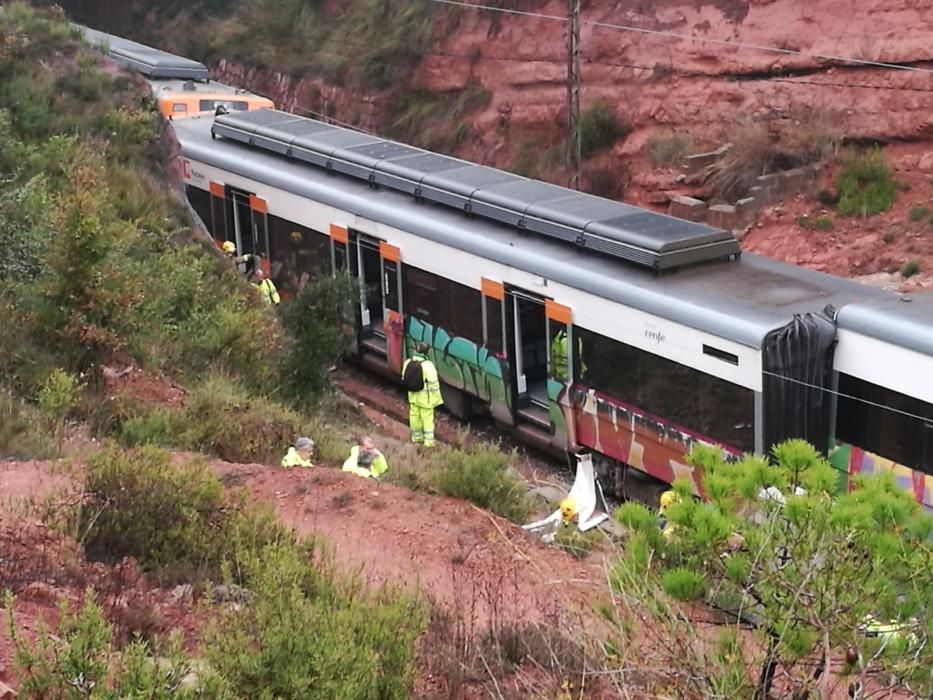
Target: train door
369 274
246 222
239 221
375 266
527 340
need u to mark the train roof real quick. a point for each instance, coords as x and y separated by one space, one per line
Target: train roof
740 300
903 320
610 227
176 86
153 63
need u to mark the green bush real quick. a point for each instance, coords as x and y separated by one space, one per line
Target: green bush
910 268
599 128
315 323
24 432
226 420
308 634
138 504
481 477
79 661
160 427
864 183
918 213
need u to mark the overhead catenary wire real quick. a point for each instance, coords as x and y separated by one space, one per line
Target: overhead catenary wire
693 38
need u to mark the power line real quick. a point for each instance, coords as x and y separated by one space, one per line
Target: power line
697 39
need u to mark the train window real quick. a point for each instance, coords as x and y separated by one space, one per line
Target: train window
444 303
200 201
420 293
298 253
461 304
671 391
494 325
179 107
887 423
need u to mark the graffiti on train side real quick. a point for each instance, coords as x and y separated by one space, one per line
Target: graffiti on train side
635 438
851 461
462 363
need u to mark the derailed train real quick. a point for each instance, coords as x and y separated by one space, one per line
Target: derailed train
673 336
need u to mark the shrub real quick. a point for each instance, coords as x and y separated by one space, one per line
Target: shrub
918 213
226 420
579 544
865 184
307 634
57 398
481 477
910 268
827 198
669 150
757 151
820 223
315 322
138 504
160 427
24 432
599 128
78 662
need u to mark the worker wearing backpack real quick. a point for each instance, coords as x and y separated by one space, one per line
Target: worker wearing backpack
419 377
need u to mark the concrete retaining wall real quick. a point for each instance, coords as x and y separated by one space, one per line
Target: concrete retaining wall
735 217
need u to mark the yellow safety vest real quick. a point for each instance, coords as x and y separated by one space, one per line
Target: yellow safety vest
376 469
268 292
430 394
293 459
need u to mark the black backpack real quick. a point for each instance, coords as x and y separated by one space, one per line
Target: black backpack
413 379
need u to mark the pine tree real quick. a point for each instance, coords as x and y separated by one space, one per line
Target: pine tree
830 584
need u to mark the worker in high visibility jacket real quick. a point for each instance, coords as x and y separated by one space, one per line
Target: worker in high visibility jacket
299 454
365 460
245 264
668 498
266 288
559 362
423 401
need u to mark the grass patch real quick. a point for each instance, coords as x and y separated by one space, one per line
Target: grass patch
579 544
756 151
24 432
918 213
481 476
669 150
819 223
865 184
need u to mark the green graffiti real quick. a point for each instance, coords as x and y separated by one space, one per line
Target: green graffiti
460 362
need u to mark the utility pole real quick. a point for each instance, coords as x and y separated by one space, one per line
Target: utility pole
574 155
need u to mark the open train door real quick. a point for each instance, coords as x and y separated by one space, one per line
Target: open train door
527 342
259 231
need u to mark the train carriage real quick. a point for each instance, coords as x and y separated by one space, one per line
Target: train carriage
712 347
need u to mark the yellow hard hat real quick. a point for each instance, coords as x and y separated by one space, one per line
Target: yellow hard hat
668 498
229 247
568 508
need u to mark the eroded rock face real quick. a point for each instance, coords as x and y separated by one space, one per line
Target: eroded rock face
662 83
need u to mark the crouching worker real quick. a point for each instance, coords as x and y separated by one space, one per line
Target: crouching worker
668 498
299 454
365 460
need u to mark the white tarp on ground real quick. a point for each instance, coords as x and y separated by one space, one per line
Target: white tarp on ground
587 494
